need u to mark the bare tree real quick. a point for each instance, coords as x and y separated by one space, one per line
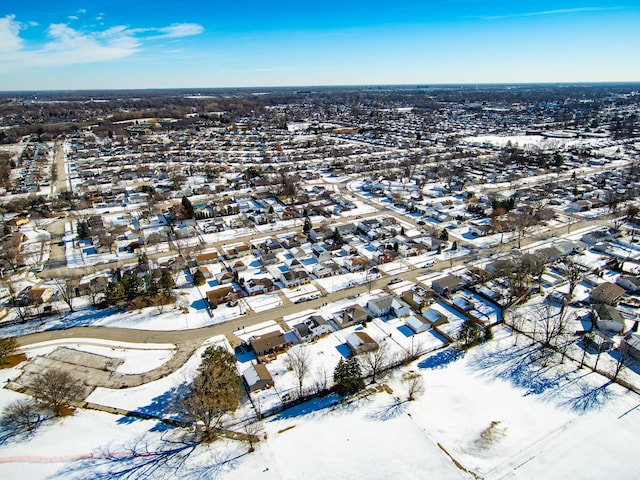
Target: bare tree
20 306
574 273
623 351
554 326
374 361
253 430
66 291
298 360
57 389
522 222
22 414
517 323
415 384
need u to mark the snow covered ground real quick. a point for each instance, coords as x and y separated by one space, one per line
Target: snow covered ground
496 411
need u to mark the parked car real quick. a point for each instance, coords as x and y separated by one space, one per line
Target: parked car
394 281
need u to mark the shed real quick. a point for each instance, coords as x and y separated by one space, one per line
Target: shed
257 377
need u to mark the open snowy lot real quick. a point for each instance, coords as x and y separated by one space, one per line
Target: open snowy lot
496 411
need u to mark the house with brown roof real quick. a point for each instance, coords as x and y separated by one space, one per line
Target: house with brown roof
39 295
361 342
207 257
271 342
356 263
608 293
256 286
418 298
446 285
257 377
351 315
220 295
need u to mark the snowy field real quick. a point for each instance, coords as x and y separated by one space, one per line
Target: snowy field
496 411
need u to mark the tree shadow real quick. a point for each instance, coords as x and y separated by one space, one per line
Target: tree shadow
309 407
441 359
13 433
526 367
589 397
166 405
176 457
538 372
387 412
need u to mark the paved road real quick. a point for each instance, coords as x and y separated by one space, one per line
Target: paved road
196 336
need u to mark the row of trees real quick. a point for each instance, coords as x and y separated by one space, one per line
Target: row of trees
131 289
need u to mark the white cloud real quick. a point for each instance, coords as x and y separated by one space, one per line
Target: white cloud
178 30
10 40
73 17
67 46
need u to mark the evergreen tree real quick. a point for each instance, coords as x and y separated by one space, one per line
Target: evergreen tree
166 282
82 229
307 225
468 335
444 236
132 285
188 207
216 391
337 238
198 278
115 293
348 376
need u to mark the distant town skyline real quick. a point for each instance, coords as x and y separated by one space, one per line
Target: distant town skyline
74 45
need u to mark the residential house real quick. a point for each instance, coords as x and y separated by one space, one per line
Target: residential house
418 323
447 285
257 377
5 289
418 298
629 282
313 327
608 293
598 340
326 269
429 319
39 295
221 295
411 249
294 278
320 254
207 257
606 317
351 315
356 263
271 342
256 286
320 233
347 229
632 343
360 342
388 305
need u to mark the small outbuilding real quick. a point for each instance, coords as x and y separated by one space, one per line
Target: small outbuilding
257 377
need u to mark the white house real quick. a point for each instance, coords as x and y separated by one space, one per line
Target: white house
387 305
607 317
418 323
629 283
313 327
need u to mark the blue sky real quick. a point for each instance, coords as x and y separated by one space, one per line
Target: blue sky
199 44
